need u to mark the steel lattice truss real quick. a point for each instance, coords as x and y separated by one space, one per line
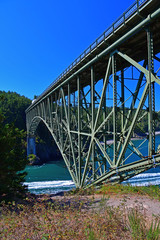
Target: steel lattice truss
93 123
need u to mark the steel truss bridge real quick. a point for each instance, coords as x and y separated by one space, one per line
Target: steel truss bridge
103 98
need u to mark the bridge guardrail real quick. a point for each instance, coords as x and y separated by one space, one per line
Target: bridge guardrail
135 7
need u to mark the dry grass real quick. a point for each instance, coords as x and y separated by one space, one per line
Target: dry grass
48 219
71 218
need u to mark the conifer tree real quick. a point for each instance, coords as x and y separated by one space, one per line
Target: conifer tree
12 161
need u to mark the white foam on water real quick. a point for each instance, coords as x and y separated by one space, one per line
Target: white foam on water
56 186
155 182
144 179
144 175
49 184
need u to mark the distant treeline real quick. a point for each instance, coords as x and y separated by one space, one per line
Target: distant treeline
141 127
13 106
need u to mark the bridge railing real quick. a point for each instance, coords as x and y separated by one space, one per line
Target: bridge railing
135 7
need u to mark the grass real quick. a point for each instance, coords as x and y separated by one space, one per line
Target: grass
138 228
152 191
106 189
43 218
56 220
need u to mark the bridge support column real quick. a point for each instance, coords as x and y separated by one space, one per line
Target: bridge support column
79 129
104 127
122 108
151 96
93 118
69 118
31 145
114 108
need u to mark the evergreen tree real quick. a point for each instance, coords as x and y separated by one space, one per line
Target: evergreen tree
12 161
13 107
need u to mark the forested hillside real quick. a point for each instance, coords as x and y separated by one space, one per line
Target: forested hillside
13 106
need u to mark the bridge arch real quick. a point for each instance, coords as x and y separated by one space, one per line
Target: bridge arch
32 130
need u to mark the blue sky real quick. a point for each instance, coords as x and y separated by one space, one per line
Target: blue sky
40 38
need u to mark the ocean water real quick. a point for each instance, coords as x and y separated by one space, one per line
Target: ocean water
53 177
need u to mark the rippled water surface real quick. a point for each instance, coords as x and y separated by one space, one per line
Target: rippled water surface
54 177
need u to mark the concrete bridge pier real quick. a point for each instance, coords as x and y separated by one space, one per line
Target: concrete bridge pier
31 145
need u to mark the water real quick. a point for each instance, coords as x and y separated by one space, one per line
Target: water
53 177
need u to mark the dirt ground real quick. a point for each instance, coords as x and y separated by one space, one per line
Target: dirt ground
146 205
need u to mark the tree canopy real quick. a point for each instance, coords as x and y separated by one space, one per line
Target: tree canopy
13 107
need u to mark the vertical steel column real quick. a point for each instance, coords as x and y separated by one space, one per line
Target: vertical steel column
104 127
74 101
114 109
44 112
27 123
55 102
69 118
69 104
151 96
51 109
153 108
54 116
79 130
74 110
50 112
122 99
93 119
123 105
38 110
35 111
45 109
62 137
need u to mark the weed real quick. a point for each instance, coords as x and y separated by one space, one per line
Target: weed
154 231
139 229
136 224
91 235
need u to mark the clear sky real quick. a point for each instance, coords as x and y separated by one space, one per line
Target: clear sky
40 38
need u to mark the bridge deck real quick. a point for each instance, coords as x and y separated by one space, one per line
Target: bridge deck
114 33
